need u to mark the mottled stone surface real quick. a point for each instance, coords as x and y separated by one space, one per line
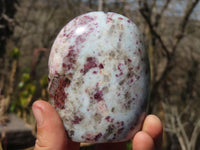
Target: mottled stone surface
99 77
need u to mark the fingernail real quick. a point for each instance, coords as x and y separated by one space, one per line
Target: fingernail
37 111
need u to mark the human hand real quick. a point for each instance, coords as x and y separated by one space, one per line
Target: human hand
51 133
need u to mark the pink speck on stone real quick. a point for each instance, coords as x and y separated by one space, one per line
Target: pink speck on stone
91 62
98 96
101 66
77 120
109 17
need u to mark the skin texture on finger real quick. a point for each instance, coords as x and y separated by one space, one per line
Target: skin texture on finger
111 146
153 126
143 141
50 130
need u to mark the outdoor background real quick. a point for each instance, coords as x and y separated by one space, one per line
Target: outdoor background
172 33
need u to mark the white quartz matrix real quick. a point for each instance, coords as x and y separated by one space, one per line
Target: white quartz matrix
99 77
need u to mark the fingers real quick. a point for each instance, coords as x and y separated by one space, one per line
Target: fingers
153 126
150 137
50 130
143 141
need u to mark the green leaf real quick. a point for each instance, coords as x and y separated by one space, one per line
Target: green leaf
15 53
25 93
25 77
44 81
32 89
129 145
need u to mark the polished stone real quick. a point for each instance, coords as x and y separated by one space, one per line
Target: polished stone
99 77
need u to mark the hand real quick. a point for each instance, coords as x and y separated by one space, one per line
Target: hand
51 133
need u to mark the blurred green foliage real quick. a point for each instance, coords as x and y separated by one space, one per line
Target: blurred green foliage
15 53
44 82
129 145
25 89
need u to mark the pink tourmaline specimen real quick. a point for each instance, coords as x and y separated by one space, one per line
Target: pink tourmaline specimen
99 77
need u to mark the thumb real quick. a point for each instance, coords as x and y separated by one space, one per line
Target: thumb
51 133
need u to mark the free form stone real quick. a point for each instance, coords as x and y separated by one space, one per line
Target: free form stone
99 77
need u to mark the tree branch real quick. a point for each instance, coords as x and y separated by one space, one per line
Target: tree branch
145 12
187 15
182 129
183 23
7 18
195 134
100 5
159 15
